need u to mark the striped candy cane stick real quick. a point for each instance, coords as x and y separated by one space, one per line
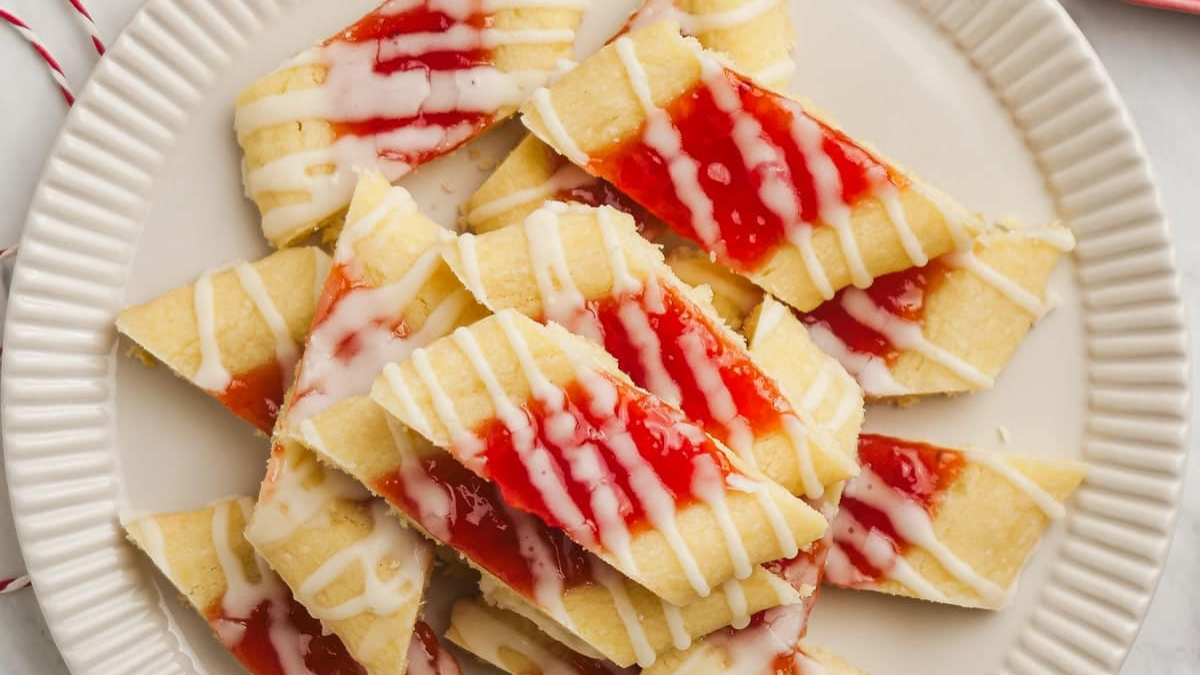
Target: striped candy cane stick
13 585
56 70
90 24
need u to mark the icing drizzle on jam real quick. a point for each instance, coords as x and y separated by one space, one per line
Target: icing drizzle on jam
277 625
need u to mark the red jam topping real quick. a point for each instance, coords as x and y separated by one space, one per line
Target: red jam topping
901 294
323 653
602 193
670 445
681 325
426 655
256 395
748 229
389 30
919 472
482 526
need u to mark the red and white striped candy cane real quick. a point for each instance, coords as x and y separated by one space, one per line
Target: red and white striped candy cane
90 24
13 585
56 70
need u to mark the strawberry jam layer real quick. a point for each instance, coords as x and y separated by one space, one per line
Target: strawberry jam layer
899 294
586 442
427 656
256 640
747 229
256 395
466 512
697 357
419 39
917 472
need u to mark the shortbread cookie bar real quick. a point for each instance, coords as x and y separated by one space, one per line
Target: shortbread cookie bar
527 566
514 645
588 270
205 556
236 333
947 525
387 293
756 36
945 328
407 83
649 491
773 192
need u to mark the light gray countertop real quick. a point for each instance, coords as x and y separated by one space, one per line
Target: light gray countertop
1154 57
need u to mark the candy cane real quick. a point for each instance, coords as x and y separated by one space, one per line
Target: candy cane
13 585
56 70
90 24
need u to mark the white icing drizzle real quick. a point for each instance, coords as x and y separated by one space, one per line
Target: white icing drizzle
914 525
662 137
735 596
389 546
566 177
951 214
212 374
286 349
878 552
548 588
292 504
396 203
554 127
354 90
1010 289
642 649
243 596
871 371
469 270
1051 507
889 195
434 500
562 300
680 638
152 542
749 10
321 266
488 638
905 335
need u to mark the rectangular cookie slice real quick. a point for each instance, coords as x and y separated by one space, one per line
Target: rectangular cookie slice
941 524
686 137
236 333
588 270
407 83
206 557
549 418
946 328
527 566
755 35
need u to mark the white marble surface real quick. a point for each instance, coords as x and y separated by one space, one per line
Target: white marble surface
1153 56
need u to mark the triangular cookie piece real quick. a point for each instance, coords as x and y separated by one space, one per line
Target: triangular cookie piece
236 333
205 555
549 418
407 83
947 525
770 190
588 270
527 566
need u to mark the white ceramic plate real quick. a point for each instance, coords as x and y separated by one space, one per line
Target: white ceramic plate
1001 102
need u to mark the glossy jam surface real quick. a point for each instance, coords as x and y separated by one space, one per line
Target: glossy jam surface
749 230
680 327
669 445
256 396
427 656
323 653
399 35
602 193
919 472
479 524
900 294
